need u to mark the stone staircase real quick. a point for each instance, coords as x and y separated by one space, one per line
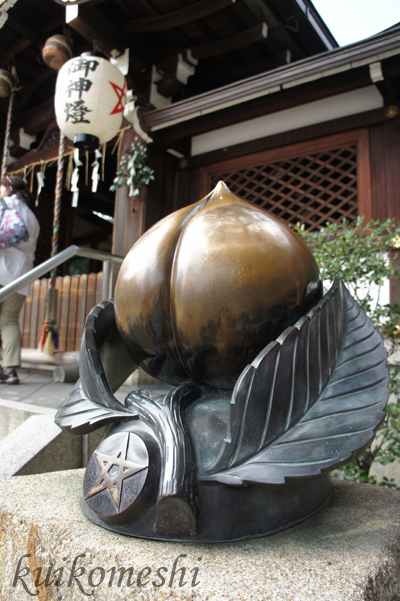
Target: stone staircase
63 365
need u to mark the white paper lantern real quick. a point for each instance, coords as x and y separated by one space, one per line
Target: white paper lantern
67 2
90 100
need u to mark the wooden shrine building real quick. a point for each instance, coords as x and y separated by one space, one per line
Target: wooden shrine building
254 92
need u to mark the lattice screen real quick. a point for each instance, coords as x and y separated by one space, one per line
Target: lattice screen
311 189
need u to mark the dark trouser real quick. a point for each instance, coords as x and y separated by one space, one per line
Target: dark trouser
10 331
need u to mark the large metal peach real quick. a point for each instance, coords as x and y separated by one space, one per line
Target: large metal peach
208 287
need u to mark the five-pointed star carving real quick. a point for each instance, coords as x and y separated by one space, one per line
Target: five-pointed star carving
121 93
113 482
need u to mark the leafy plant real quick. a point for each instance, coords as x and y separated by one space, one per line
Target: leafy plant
359 255
133 170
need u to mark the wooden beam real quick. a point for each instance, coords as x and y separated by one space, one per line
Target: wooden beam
26 32
143 5
93 202
390 90
93 239
250 36
35 156
24 42
53 22
45 138
177 18
36 119
33 87
97 221
13 51
236 73
342 125
301 72
314 90
94 27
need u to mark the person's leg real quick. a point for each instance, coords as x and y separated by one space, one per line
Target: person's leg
11 337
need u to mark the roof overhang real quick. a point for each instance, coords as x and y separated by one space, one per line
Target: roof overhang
364 53
4 6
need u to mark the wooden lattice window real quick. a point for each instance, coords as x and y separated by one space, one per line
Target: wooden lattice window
312 187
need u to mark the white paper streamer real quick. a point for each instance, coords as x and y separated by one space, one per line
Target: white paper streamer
40 179
75 178
121 61
95 171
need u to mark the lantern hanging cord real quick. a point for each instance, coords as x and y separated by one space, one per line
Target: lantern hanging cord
24 171
31 181
118 142
7 136
6 149
57 205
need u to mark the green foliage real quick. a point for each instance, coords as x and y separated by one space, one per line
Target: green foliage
78 266
359 254
133 170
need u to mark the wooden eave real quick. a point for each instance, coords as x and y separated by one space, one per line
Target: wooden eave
178 136
245 33
315 26
35 157
328 64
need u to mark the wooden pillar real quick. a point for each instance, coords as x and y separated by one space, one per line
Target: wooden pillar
192 185
385 168
129 214
392 155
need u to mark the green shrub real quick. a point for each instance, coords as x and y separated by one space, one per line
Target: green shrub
358 254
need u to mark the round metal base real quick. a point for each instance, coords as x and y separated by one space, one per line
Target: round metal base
229 513
86 141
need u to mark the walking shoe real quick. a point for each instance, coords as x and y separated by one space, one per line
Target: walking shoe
8 377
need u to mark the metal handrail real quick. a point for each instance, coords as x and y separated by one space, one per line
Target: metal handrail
72 251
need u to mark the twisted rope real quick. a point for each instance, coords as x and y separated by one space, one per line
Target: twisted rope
57 205
6 149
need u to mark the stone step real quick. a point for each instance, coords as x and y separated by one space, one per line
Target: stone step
65 366
348 551
34 358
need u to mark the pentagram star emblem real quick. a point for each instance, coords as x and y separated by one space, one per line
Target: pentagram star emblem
121 93
113 471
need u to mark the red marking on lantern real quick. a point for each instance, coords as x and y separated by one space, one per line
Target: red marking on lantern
121 93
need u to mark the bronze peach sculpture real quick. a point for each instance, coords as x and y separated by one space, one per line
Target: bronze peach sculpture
274 384
203 291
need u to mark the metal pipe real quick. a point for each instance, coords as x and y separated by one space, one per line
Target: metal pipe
85 450
54 262
106 289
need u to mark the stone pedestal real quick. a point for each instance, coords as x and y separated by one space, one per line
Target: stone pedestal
45 447
350 550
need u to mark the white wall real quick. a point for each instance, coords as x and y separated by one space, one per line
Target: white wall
341 105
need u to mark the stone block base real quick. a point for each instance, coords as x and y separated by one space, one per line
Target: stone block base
350 550
31 443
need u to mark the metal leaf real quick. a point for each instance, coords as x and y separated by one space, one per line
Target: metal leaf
311 400
80 415
105 364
